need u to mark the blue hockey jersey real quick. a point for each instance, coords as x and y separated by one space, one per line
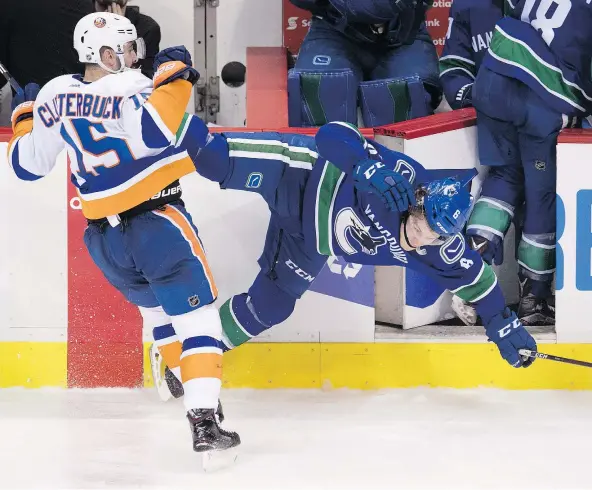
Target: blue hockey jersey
324 208
548 46
369 21
340 221
470 29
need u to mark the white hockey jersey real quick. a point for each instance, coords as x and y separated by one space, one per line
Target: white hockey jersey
120 138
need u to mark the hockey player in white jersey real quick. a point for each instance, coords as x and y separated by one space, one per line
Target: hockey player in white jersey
119 130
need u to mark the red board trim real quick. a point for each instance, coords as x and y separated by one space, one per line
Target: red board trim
429 125
582 136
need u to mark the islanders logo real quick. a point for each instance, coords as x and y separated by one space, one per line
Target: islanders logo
100 22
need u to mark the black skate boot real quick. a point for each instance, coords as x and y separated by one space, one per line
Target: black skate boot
213 441
534 310
207 434
175 386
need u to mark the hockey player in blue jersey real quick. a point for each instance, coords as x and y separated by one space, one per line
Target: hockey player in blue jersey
470 29
338 194
534 81
375 52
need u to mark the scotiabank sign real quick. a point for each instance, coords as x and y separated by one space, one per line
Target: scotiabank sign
297 21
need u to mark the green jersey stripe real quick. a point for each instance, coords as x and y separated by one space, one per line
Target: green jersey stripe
481 287
273 150
182 129
451 62
326 193
515 52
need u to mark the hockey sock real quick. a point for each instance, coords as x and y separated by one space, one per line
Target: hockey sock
245 316
201 356
239 323
170 348
536 257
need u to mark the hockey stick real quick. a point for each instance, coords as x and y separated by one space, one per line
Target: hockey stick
13 83
540 355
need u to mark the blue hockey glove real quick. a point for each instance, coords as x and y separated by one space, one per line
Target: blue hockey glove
30 92
177 64
23 103
507 332
465 96
394 189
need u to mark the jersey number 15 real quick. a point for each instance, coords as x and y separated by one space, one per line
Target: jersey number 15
100 146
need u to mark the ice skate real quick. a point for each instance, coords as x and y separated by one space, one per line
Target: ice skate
536 311
218 446
159 375
533 310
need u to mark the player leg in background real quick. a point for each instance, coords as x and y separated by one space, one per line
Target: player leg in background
506 121
159 254
503 188
403 85
502 194
323 85
536 252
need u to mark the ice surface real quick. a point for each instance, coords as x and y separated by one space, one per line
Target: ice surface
400 439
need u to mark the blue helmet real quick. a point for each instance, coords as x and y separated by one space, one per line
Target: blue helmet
447 204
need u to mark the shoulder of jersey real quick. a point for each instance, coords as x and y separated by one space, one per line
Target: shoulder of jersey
56 85
128 83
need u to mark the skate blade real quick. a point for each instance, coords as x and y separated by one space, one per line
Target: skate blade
158 374
217 460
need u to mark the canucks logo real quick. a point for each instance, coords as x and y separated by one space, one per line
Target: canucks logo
254 180
453 249
348 224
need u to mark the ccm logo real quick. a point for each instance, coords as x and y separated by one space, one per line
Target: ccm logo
504 332
299 272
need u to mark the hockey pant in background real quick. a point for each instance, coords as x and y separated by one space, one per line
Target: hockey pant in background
288 267
333 73
157 261
517 138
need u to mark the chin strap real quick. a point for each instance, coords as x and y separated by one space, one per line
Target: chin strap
405 233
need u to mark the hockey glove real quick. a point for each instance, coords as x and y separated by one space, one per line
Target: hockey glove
172 64
507 332
465 96
23 103
394 189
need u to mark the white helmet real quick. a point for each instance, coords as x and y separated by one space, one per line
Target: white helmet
104 29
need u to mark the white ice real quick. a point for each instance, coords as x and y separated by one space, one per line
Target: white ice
400 439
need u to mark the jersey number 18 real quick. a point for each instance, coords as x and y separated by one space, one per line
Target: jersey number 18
548 16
